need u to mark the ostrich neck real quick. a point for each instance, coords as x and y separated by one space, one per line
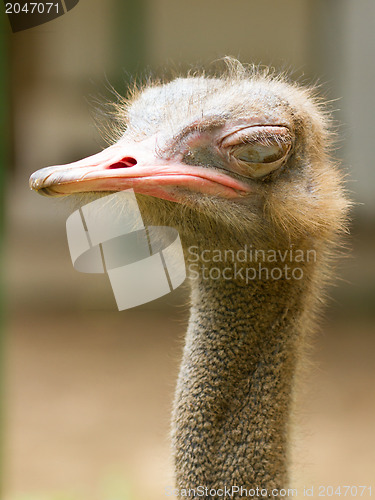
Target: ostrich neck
234 393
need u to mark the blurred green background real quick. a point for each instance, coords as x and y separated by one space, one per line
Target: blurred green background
89 389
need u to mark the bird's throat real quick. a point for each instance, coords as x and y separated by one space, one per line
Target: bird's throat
234 392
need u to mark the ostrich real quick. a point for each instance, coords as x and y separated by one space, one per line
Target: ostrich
237 163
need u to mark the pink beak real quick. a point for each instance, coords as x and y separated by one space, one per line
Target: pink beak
134 165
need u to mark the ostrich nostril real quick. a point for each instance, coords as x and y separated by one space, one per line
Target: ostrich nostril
128 161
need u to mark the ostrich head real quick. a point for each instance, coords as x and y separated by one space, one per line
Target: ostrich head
241 155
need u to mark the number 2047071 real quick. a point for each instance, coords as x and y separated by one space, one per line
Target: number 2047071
31 8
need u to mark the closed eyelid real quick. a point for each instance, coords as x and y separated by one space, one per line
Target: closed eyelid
275 133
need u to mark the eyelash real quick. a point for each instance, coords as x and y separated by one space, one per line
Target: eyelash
265 140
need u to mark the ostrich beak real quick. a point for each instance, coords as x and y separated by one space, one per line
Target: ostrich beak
134 165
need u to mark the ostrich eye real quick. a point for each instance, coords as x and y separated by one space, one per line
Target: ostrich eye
258 151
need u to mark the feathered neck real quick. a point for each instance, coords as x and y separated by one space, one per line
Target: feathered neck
233 399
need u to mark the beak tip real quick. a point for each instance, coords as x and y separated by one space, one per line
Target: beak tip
36 183
38 179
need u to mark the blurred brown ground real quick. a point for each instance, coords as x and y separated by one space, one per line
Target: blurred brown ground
90 398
